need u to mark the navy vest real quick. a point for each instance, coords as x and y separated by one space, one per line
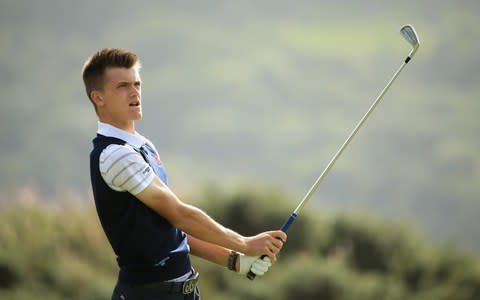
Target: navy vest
147 246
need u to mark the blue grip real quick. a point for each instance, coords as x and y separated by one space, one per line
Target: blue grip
284 228
288 222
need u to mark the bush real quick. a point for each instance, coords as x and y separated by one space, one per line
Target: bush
60 252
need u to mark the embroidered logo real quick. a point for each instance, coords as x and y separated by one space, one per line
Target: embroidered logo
157 158
153 154
147 170
162 262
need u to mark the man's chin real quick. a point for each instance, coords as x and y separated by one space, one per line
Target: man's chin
137 117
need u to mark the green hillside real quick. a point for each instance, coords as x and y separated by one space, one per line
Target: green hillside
260 92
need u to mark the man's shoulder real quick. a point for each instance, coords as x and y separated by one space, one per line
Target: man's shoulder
102 140
117 151
124 169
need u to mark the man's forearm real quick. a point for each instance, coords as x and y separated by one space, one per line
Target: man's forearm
198 224
208 251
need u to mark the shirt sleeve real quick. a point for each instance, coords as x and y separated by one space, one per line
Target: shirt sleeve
124 169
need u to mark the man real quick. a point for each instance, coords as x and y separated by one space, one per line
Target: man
151 231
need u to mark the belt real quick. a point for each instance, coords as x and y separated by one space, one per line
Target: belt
185 287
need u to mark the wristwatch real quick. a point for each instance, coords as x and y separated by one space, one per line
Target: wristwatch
232 260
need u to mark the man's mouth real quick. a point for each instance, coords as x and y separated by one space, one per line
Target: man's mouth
134 104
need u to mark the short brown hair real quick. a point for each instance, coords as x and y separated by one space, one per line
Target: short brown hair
94 68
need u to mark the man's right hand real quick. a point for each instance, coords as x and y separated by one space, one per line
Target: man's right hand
267 243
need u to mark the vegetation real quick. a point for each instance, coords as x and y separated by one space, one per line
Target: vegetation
59 252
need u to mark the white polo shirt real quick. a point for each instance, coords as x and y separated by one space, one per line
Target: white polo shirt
123 168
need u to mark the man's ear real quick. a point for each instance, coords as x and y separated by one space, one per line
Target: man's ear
97 98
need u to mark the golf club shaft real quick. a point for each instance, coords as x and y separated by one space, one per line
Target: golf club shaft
320 178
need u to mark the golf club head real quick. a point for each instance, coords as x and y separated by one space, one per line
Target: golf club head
409 33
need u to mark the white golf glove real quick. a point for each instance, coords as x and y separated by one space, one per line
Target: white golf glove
254 263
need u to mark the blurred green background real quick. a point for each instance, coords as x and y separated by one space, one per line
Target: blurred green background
258 94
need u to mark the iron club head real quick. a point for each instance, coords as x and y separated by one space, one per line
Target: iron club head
409 33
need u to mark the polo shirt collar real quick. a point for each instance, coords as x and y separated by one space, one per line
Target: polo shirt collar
135 140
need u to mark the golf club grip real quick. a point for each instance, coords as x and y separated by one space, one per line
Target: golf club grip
284 228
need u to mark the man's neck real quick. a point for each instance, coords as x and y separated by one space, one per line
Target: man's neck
128 126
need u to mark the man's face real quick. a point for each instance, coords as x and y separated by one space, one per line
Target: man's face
121 96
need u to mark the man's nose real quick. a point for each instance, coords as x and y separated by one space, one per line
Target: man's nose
136 91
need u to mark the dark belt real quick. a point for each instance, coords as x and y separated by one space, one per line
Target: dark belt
185 287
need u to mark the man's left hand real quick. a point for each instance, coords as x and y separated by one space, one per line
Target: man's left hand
255 264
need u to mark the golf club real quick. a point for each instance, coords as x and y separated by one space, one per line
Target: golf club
409 33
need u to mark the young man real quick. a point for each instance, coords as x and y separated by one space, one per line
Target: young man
151 231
